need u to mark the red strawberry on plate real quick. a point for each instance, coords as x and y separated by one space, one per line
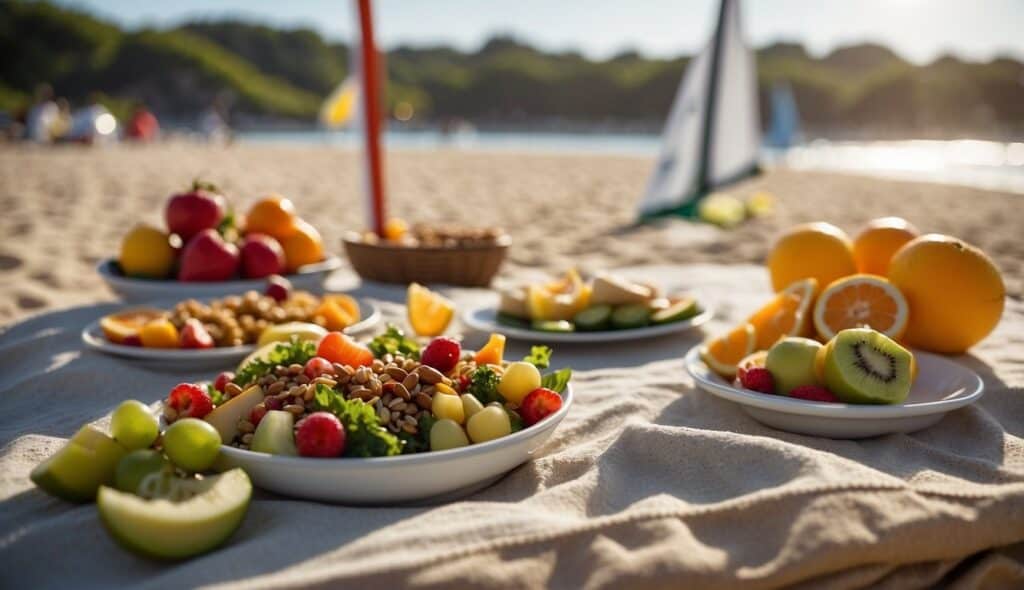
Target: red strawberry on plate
539 404
190 401
195 335
814 393
757 379
441 354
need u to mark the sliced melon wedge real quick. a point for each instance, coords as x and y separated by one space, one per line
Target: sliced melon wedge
167 529
77 470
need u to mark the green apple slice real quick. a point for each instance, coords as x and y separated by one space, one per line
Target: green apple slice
200 515
275 434
225 417
77 470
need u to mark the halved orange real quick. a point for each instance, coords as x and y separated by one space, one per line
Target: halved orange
861 301
788 314
723 353
118 327
429 312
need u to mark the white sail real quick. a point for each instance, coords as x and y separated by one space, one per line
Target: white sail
713 131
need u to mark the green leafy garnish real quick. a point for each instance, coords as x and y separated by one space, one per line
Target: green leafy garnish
393 341
215 396
556 381
286 353
419 442
364 436
514 419
483 384
540 356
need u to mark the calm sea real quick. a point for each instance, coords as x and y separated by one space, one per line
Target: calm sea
983 164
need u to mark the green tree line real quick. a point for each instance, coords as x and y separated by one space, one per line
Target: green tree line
286 73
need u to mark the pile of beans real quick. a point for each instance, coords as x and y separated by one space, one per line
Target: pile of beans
238 320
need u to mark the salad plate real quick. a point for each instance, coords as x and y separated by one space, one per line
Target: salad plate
485 319
942 386
417 478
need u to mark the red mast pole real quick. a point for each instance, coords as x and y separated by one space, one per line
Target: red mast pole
371 86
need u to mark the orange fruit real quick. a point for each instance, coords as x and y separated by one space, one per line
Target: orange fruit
723 353
493 352
395 229
159 333
304 246
788 314
861 301
340 348
878 241
339 311
273 215
429 312
955 292
146 252
812 250
118 327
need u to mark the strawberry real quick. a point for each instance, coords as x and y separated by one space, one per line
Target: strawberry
758 379
278 287
222 380
194 335
320 434
190 400
257 413
317 366
539 404
814 393
441 354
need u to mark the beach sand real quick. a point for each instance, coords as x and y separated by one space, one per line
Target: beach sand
66 208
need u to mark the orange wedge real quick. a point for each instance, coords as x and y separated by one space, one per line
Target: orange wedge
861 301
429 312
121 326
788 314
723 353
493 352
339 311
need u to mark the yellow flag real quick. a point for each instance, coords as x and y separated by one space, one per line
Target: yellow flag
341 105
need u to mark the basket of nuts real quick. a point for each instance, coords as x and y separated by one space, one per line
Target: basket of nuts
468 257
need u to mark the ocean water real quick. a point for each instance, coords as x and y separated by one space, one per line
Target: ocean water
982 164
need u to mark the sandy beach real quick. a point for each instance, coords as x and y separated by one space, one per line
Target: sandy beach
66 208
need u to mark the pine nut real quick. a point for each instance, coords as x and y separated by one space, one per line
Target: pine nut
429 374
295 409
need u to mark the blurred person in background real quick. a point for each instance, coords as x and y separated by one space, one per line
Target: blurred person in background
92 123
42 115
143 126
62 123
213 122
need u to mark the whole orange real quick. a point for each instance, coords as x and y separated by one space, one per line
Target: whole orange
273 215
878 241
954 291
304 246
812 250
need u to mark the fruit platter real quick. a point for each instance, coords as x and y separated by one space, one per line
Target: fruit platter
604 309
845 348
206 250
215 331
426 253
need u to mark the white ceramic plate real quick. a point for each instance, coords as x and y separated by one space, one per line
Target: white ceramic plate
941 386
93 337
308 278
421 478
485 319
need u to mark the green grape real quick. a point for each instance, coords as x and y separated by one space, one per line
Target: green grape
488 424
134 426
136 465
447 434
192 444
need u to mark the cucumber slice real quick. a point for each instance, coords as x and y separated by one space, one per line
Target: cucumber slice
597 317
510 320
553 326
633 315
683 309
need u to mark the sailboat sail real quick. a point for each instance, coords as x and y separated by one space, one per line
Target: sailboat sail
712 135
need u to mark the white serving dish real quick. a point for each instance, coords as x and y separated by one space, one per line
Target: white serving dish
485 319
430 477
92 336
308 278
941 386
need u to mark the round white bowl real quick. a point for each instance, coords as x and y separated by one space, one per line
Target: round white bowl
485 319
184 358
308 278
941 386
430 477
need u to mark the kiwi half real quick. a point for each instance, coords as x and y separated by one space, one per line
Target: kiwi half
863 366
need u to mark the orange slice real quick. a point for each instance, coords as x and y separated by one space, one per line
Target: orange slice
493 352
723 353
339 311
118 327
429 312
861 301
788 314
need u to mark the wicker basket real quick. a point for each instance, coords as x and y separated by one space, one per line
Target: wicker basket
464 266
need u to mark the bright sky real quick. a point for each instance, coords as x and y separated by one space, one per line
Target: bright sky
920 30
